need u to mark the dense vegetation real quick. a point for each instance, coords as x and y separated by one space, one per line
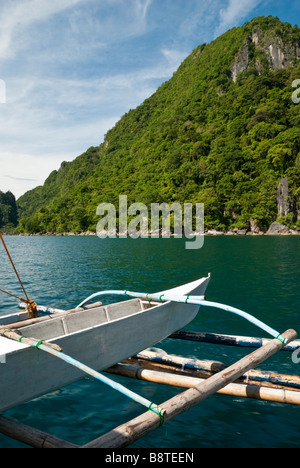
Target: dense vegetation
204 136
8 212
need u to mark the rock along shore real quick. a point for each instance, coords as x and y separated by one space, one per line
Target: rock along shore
276 229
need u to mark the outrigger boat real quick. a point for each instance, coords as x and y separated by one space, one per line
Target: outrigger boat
98 336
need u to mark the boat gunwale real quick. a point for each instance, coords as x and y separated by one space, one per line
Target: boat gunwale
23 347
52 319
60 338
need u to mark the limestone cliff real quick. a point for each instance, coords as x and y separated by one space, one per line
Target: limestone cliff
265 50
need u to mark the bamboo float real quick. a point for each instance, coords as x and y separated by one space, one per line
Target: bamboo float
204 369
39 439
176 364
229 340
128 433
250 378
278 395
31 436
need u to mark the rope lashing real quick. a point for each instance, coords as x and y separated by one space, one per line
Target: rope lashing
30 306
281 339
38 344
160 412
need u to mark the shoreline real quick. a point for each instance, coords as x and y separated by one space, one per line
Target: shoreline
291 233
276 229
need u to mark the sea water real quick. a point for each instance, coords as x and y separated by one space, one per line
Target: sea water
260 275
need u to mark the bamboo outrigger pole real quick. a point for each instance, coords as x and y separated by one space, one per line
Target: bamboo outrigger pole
126 434
31 436
241 390
228 340
204 369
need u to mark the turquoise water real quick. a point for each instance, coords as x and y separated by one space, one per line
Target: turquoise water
258 274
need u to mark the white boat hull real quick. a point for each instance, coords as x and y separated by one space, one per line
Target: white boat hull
99 338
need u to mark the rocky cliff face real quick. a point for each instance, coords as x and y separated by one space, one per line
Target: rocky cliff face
286 204
283 198
266 50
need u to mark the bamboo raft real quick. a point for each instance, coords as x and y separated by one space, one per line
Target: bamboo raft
199 378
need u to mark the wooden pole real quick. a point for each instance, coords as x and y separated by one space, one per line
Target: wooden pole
178 361
30 436
228 340
30 341
204 369
257 392
128 433
13 265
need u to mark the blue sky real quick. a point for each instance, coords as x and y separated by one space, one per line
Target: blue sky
69 69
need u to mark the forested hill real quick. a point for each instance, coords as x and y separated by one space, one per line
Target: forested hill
8 212
223 130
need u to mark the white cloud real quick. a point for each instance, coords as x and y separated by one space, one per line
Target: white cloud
37 106
143 7
24 171
15 16
233 13
46 121
45 150
174 57
60 98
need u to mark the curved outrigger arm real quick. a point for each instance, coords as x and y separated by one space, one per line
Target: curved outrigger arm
196 300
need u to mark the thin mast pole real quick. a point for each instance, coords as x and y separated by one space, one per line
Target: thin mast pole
12 263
